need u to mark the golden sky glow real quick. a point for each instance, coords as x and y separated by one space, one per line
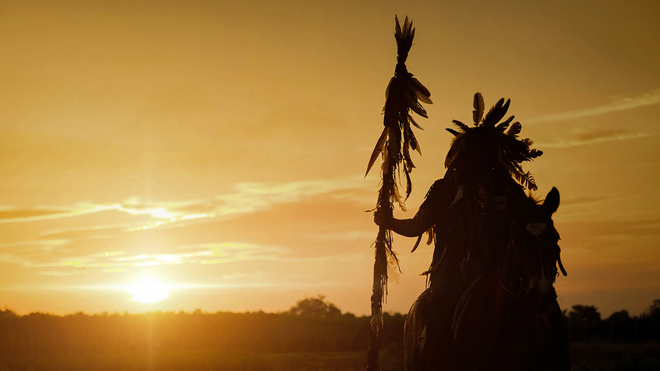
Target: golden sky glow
219 147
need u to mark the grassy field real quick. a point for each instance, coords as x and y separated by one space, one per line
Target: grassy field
189 361
585 357
616 357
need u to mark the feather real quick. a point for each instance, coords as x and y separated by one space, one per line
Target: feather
514 130
412 141
504 124
455 149
408 184
397 28
423 93
396 196
494 108
408 163
414 144
461 125
534 153
478 105
496 113
377 150
394 140
404 38
530 183
418 109
387 90
414 123
419 238
454 132
431 235
524 178
409 97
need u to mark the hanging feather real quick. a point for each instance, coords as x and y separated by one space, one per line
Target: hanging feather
414 144
423 93
414 123
408 184
377 150
418 109
398 198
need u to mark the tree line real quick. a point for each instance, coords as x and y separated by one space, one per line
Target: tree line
586 325
312 325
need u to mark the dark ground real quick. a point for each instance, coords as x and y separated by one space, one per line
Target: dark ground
585 357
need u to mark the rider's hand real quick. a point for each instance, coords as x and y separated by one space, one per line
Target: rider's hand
381 219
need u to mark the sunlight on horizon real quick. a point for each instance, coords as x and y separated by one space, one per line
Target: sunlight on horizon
148 290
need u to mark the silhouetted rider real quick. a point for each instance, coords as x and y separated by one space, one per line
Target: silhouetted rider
467 214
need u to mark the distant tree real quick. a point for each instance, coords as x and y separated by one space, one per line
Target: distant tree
585 314
621 326
583 322
620 316
7 313
315 307
654 309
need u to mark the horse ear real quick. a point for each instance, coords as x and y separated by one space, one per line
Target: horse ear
551 202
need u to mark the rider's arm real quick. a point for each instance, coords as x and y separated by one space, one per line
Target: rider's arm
406 227
438 199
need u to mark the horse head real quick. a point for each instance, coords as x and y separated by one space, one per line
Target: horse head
533 253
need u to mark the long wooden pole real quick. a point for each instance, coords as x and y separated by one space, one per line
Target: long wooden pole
394 144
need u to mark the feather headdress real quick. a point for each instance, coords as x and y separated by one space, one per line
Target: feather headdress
490 143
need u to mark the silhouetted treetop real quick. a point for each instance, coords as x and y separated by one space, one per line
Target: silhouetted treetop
315 307
619 316
654 309
584 314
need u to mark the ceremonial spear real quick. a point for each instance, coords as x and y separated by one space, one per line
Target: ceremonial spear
401 97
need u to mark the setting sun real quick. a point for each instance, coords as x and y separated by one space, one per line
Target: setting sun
148 290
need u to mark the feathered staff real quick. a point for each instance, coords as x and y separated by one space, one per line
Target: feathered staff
401 97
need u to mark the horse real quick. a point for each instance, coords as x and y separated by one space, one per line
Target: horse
508 318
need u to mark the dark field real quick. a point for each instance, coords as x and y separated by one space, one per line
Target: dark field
619 357
189 360
585 357
318 339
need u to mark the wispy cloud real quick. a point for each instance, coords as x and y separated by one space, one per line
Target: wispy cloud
10 213
345 236
245 198
44 255
595 137
586 200
627 103
252 197
133 232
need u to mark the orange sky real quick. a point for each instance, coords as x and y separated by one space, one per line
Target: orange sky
220 147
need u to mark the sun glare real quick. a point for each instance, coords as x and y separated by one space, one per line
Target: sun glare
148 290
